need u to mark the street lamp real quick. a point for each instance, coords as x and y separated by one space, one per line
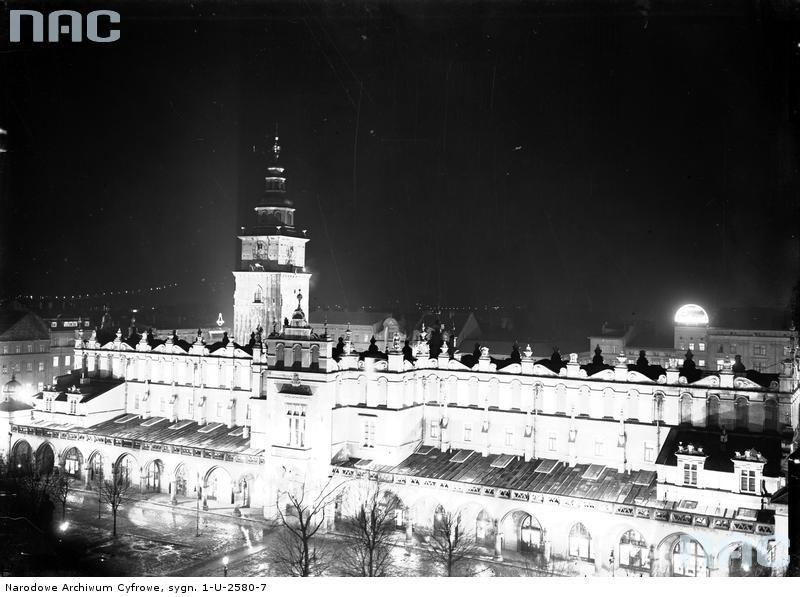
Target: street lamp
63 526
225 566
611 562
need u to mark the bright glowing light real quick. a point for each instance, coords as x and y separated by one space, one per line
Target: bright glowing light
225 561
691 315
63 526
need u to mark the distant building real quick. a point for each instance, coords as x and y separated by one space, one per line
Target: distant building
755 339
25 351
363 326
63 332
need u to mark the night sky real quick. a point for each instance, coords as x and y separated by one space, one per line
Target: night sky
576 159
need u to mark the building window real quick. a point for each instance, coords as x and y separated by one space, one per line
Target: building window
296 414
17 348
467 432
434 429
580 543
701 346
66 361
369 433
136 402
759 350
701 362
690 474
48 404
18 367
191 409
219 410
551 443
598 448
42 348
247 414
41 366
29 366
5 369
758 366
73 406
509 438
683 345
30 347
55 361
747 481
162 404
5 349
649 453
691 345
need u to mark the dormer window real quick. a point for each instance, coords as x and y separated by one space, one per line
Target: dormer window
690 474
747 481
257 296
73 407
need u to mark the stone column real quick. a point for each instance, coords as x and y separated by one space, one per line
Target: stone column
86 474
203 493
173 490
409 526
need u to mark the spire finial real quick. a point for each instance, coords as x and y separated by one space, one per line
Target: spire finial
276 147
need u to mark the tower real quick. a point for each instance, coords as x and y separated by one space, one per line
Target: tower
271 278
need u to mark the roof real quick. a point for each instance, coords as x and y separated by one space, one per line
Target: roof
22 325
185 433
719 457
93 388
635 487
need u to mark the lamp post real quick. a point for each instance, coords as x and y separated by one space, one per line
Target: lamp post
611 562
197 508
225 566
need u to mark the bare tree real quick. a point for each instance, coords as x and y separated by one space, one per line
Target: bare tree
60 485
297 550
451 543
368 532
115 492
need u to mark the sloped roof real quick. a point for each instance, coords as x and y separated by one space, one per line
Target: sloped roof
611 486
719 457
22 325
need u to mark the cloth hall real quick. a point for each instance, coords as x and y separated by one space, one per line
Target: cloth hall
591 468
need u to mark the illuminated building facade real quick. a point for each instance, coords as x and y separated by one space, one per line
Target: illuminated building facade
583 467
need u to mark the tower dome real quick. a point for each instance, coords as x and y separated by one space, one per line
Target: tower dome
11 389
691 315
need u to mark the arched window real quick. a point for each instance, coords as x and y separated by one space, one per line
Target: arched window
583 400
712 416
473 391
634 552
315 357
530 534
688 558
279 356
516 395
73 462
770 415
382 391
580 543
631 403
258 295
742 414
686 409
608 403
297 354
494 392
658 406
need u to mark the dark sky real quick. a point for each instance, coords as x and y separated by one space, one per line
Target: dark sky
576 158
